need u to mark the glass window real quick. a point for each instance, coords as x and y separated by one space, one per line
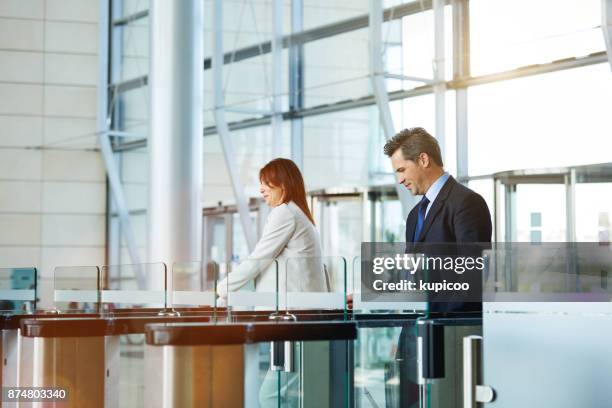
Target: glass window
253 149
418 38
337 149
245 23
593 212
320 12
133 6
134 49
507 34
420 112
551 120
133 112
336 68
247 88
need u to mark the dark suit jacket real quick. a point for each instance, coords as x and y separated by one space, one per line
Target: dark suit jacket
458 214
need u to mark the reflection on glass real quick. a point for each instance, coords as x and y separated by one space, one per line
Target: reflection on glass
556 271
76 288
17 289
540 213
250 284
377 366
136 285
194 283
594 212
313 283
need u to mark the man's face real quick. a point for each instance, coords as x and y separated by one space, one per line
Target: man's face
409 173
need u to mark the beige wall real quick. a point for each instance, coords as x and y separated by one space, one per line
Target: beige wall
52 182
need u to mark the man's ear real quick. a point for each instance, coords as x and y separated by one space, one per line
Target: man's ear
424 158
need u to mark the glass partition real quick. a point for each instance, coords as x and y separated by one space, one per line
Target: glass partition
548 272
558 296
17 290
76 288
250 285
313 283
382 353
134 285
194 284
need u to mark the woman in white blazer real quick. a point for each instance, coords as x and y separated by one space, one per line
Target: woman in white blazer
289 236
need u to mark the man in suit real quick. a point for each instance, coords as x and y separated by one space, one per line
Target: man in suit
447 213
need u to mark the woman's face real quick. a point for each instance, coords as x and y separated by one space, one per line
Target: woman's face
273 196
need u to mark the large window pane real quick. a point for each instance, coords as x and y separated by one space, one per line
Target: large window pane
418 36
132 6
420 112
247 87
135 49
557 119
245 23
321 12
506 34
337 148
253 149
336 68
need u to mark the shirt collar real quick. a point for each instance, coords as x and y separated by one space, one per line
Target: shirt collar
435 188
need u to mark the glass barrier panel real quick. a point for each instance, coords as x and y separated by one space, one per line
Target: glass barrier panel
309 283
316 377
540 301
381 353
76 288
194 284
134 285
250 285
548 272
17 290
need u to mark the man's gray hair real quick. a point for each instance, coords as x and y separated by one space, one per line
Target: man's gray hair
413 142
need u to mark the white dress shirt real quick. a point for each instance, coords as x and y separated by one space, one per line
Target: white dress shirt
434 190
291 239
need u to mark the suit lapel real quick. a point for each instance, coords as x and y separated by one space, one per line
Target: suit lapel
411 226
436 207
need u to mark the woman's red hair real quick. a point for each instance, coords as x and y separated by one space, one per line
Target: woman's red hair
285 174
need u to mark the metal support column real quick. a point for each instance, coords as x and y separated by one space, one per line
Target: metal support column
296 85
277 77
439 65
377 74
461 69
570 205
606 26
114 120
103 118
176 123
223 130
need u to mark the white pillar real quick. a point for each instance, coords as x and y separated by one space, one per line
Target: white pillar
606 26
175 133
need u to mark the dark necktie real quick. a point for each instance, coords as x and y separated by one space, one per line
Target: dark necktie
421 218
